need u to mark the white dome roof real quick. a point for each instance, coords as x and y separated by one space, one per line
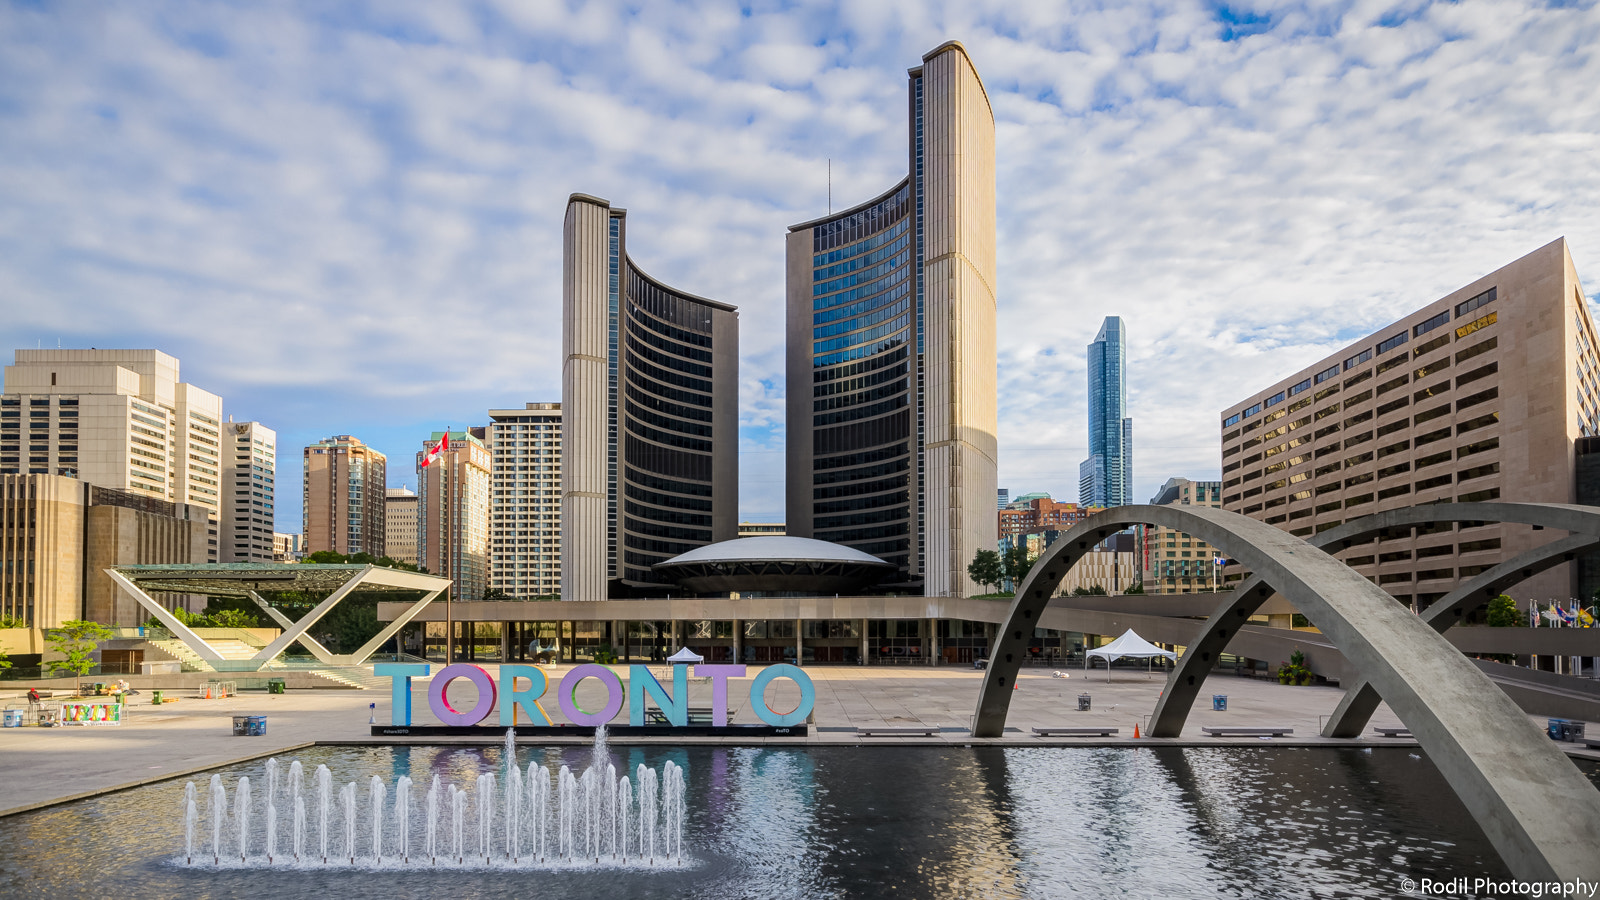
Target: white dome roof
775 548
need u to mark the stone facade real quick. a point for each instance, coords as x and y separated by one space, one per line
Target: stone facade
344 495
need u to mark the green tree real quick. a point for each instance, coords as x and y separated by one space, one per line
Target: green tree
5 661
1016 562
985 568
12 622
1503 613
1136 588
1095 591
75 640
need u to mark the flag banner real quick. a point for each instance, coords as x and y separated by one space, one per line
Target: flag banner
439 448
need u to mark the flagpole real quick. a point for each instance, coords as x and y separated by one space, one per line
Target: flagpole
444 556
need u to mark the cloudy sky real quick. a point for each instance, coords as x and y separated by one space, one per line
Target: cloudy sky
350 221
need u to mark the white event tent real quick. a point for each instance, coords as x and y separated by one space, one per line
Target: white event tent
1129 644
686 656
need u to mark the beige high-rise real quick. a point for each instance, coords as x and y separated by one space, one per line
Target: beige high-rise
650 399
453 513
343 502
118 419
525 503
891 349
1487 393
252 463
400 528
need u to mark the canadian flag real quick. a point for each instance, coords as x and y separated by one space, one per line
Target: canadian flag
441 447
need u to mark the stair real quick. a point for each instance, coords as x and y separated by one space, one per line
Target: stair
178 650
353 677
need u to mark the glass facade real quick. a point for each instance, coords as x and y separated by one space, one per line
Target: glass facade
1105 478
866 416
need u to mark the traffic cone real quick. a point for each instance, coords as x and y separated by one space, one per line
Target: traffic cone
1136 731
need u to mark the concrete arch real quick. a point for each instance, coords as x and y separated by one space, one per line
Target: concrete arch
1539 811
1189 675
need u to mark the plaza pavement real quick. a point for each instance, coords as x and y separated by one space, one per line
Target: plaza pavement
43 766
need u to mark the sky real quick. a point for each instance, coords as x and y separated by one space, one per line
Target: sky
346 218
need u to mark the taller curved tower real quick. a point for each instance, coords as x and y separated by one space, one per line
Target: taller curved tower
650 393
891 349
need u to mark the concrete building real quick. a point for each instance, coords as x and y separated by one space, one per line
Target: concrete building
344 492
1479 395
1175 562
1105 479
762 529
453 513
252 461
118 419
400 525
891 413
525 500
287 548
649 388
58 535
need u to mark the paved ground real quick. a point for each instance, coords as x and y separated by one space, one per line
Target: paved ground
49 765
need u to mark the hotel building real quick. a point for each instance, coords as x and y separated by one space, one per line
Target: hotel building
118 419
891 411
247 527
343 500
525 500
453 513
649 385
1480 395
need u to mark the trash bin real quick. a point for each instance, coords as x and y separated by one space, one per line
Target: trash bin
155 698
1083 703
1564 730
276 686
1219 702
256 725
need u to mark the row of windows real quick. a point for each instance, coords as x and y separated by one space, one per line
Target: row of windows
667 306
868 276
876 471
861 226
868 259
876 315
671 362
665 484
670 423
862 435
861 459
860 412
896 283
641 511
663 343
860 487
897 499
666 460
664 377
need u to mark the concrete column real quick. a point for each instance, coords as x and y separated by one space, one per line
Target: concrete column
738 640
505 641
799 642
863 641
933 640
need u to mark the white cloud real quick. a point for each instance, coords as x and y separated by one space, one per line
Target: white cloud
352 220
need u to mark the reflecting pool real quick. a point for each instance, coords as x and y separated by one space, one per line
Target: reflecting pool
842 822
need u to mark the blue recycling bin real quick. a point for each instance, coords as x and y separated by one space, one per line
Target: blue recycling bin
1219 702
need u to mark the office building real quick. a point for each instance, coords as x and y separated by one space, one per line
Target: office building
400 525
1482 394
343 501
58 535
251 458
287 548
453 513
1105 478
1003 498
118 419
762 529
650 392
1172 561
525 500
891 412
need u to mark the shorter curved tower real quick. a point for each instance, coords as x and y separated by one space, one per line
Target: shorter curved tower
650 392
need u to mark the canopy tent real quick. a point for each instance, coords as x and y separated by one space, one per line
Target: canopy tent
686 656
1129 644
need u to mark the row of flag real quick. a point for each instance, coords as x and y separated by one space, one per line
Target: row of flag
1557 616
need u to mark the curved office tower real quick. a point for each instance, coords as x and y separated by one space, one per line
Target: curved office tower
649 389
891 349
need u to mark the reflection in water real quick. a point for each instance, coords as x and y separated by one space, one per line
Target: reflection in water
870 822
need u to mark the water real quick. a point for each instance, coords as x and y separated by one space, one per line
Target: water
828 822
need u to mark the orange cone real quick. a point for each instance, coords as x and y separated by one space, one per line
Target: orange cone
1136 731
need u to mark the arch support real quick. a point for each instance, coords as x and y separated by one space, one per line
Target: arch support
1539 811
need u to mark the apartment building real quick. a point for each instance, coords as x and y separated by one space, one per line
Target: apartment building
453 512
525 500
400 525
247 526
344 485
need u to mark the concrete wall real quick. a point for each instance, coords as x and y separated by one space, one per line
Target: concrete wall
118 536
585 568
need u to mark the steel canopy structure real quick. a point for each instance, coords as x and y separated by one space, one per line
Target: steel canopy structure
337 582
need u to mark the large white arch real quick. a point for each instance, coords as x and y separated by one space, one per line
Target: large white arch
1539 811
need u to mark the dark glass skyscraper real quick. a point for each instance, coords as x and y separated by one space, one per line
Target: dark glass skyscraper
1106 477
891 349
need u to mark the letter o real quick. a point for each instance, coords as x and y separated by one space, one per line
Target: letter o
568 696
444 712
796 716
